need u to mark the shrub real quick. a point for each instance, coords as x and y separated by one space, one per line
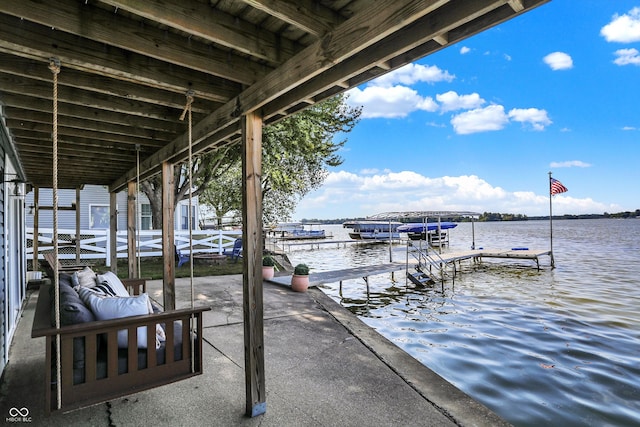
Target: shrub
301 270
267 261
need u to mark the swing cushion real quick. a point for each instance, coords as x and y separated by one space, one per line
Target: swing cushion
84 277
72 312
113 283
107 308
72 308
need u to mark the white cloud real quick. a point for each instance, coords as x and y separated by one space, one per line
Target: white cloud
623 28
570 164
464 50
369 171
558 61
485 119
538 119
347 194
390 102
629 128
451 101
413 73
384 99
627 56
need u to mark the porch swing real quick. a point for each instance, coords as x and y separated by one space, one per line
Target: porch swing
92 361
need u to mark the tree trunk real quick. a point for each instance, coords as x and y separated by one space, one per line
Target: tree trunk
152 188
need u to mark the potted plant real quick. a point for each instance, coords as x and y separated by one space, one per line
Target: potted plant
300 278
268 267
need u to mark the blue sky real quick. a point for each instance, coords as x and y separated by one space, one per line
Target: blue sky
478 125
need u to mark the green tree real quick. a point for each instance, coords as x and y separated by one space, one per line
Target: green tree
207 168
221 195
297 152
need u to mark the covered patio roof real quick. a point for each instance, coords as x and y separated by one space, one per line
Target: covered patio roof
127 65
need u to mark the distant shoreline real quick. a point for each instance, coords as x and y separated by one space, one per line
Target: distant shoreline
495 217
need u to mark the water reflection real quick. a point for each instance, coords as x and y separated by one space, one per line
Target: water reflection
548 347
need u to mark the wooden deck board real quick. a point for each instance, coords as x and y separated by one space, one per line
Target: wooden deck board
334 276
323 277
495 253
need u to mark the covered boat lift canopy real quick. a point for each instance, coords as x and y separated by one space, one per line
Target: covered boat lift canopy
423 214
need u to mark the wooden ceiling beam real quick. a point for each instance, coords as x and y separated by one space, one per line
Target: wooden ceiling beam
201 20
516 5
19 115
107 86
309 16
63 132
119 31
353 36
34 104
73 137
31 139
38 151
33 41
71 95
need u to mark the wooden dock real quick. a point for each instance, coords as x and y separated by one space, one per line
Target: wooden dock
334 276
513 253
446 259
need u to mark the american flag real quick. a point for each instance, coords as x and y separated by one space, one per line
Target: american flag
557 187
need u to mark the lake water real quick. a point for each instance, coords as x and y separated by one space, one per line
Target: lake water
550 347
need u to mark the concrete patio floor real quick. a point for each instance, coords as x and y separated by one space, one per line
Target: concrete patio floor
324 367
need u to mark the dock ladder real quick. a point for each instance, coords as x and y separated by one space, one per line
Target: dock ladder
430 266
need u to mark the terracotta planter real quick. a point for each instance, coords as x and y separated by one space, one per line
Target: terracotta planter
267 272
299 283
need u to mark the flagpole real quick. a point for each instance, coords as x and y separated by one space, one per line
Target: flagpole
551 224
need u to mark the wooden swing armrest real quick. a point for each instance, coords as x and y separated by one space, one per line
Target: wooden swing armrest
42 319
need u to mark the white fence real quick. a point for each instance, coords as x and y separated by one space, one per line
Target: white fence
94 244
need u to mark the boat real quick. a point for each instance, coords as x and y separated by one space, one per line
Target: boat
296 231
428 231
373 230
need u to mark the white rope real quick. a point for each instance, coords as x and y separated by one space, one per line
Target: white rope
187 110
54 66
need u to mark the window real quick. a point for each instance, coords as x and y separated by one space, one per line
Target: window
145 217
184 217
99 216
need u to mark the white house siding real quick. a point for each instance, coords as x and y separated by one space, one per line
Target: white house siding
91 196
4 342
12 248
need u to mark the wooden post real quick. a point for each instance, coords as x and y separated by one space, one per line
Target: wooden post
131 230
168 243
113 231
36 232
78 240
252 269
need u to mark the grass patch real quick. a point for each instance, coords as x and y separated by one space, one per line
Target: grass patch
152 268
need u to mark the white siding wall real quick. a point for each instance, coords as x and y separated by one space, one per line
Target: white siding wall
90 195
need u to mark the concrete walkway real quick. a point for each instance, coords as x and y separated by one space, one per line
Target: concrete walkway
324 367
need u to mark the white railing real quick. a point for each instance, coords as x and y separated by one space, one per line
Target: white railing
94 244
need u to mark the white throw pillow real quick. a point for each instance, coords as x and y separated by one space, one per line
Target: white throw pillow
113 282
84 277
106 308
